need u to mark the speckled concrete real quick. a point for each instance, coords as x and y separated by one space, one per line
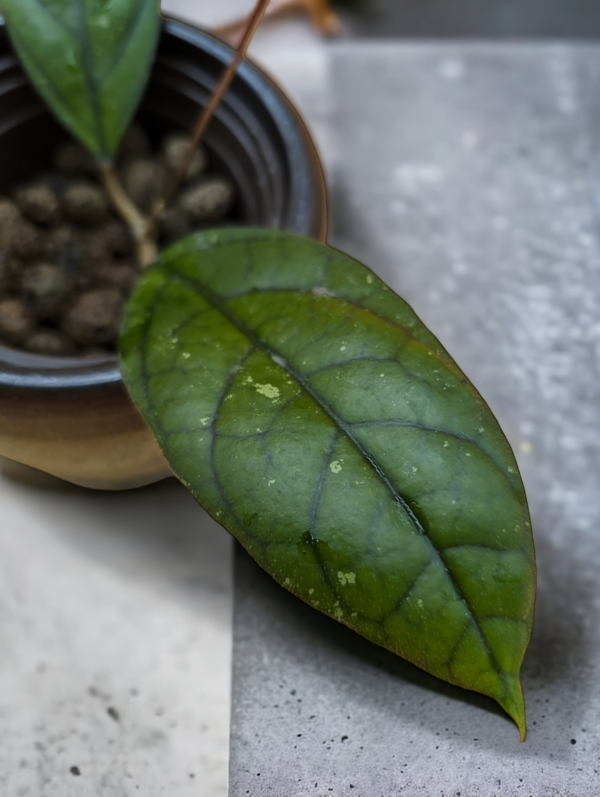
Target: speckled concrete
115 642
468 176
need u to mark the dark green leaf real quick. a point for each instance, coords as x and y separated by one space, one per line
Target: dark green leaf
313 415
89 59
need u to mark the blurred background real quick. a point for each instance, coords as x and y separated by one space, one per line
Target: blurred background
431 18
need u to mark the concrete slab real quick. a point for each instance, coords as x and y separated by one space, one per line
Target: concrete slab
467 176
430 18
115 632
474 19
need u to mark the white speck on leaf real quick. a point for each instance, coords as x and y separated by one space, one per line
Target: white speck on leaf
271 482
186 355
346 578
335 466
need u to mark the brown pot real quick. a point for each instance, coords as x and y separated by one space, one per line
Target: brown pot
72 417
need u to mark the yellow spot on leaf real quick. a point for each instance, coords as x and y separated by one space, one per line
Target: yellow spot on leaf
186 355
267 390
346 578
271 482
415 470
337 612
311 590
446 444
510 470
369 279
342 348
204 421
287 582
335 466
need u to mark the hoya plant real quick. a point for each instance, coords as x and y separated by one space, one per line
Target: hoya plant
300 400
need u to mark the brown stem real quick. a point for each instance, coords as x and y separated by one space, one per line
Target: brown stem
131 215
321 13
207 114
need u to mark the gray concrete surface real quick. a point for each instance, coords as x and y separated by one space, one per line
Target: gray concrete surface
115 640
476 19
431 18
467 175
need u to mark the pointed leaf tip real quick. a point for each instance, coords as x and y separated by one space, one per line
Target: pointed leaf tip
513 703
313 415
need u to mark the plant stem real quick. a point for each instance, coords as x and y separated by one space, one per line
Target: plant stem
207 114
143 229
131 215
320 11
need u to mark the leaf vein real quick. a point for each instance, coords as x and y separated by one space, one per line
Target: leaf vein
256 343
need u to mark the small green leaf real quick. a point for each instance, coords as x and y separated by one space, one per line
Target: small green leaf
310 411
89 59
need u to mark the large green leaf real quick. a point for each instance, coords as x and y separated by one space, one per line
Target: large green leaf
310 411
89 59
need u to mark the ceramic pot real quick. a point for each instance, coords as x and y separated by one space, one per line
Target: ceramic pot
72 417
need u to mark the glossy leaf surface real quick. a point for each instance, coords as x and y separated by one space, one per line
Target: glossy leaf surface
310 411
89 59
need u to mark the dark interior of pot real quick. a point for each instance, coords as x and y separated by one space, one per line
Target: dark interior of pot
250 139
255 139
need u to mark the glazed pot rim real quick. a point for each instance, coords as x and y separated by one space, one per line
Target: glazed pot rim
21 369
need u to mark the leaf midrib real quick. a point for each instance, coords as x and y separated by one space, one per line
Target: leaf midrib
219 304
88 70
